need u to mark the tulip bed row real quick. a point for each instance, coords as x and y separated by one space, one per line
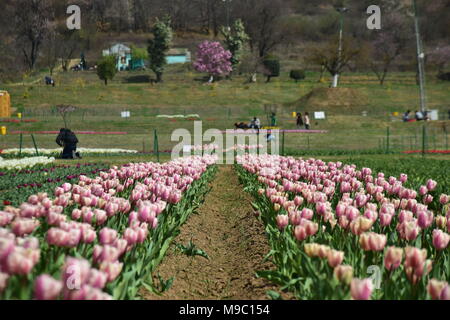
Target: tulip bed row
56 152
102 237
19 164
17 185
337 232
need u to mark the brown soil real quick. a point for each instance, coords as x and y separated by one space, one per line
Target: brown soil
227 230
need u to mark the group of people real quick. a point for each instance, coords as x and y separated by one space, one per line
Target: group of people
255 123
418 116
68 140
303 121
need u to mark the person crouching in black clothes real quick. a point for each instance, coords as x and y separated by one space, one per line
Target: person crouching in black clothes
68 140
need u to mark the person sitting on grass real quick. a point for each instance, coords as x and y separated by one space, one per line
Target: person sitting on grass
68 140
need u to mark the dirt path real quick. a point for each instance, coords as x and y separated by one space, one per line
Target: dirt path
226 229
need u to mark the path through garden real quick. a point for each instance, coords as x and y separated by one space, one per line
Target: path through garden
226 229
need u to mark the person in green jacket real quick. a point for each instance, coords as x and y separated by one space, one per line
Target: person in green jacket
273 120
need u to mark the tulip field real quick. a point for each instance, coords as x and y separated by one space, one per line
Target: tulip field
341 232
365 229
93 233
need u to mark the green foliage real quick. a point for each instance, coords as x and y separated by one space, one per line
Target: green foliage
297 74
106 68
191 250
159 45
272 65
139 53
235 39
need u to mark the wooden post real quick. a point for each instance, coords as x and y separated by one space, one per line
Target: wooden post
20 144
282 144
424 133
156 144
388 133
35 145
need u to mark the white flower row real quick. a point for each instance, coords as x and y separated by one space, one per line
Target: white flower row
178 116
18 164
57 151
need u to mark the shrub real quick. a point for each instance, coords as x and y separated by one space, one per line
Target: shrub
272 65
297 75
106 68
444 76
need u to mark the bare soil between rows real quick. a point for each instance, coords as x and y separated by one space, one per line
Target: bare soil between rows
226 229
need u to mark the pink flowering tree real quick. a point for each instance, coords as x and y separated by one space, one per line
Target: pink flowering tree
213 59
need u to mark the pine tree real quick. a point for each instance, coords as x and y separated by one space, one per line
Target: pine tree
159 45
235 39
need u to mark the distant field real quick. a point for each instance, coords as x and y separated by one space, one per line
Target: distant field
224 103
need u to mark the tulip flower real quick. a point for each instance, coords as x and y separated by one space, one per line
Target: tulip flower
393 258
440 239
435 288
445 293
107 236
282 221
344 274
335 258
3 281
47 288
361 289
112 269
431 185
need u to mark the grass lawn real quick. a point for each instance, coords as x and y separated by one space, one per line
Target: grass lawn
221 105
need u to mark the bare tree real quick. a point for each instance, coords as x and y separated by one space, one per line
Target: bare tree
388 44
262 19
326 55
32 19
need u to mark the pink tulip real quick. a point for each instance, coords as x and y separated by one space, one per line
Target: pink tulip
440 239
97 279
282 221
47 288
403 178
423 190
445 293
131 236
21 261
3 281
435 288
385 220
24 226
344 273
307 214
300 233
393 258
425 219
361 289
431 185
5 218
75 273
88 235
444 199
112 269
335 258
427 199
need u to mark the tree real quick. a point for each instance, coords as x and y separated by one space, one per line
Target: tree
106 68
262 18
272 66
440 57
213 59
32 18
388 44
139 53
327 55
235 39
159 45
